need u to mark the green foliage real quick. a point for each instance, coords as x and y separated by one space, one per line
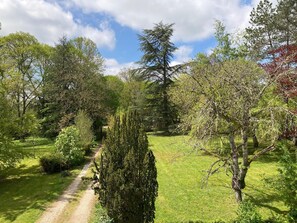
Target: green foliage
227 48
68 144
84 125
218 221
27 125
133 94
23 68
209 109
286 181
53 163
9 156
247 213
100 215
262 20
270 115
127 174
114 90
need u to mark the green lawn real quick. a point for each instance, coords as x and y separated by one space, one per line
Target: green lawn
181 198
26 190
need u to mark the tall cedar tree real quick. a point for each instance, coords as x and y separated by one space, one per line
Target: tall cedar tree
127 184
156 70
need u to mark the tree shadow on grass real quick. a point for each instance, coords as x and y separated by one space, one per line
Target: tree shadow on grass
33 143
27 189
264 199
166 134
272 157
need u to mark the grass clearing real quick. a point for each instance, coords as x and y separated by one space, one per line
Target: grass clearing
181 198
26 190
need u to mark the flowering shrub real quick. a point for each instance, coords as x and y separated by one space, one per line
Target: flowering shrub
68 144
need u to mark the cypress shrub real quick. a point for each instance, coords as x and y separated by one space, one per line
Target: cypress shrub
127 175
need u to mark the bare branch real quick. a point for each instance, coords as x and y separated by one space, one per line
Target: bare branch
260 153
212 170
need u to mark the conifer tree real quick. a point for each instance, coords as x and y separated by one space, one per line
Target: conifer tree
157 70
272 41
127 180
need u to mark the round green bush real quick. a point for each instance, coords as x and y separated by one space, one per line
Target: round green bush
53 163
68 144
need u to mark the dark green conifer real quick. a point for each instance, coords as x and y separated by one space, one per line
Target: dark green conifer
127 180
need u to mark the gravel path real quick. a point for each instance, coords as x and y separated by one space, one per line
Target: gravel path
83 211
52 213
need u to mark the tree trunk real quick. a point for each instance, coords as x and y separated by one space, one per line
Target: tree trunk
255 140
235 168
238 196
294 140
245 151
166 113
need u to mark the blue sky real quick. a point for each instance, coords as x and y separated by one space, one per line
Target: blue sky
114 24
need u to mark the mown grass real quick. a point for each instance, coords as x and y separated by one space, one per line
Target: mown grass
26 190
181 197
181 170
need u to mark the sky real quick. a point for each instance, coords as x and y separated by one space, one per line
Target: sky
114 25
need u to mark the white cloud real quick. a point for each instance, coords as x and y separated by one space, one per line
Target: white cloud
193 19
49 22
182 55
102 37
113 67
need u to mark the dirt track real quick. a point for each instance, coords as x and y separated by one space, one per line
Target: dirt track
82 211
